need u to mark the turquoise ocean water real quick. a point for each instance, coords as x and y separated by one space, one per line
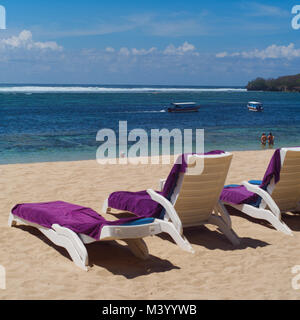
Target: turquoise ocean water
60 123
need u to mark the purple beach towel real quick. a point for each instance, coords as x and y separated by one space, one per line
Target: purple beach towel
77 218
240 195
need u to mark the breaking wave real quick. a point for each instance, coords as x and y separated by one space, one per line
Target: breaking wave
99 89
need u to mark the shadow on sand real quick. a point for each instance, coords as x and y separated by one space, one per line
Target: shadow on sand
202 236
213 239
113 256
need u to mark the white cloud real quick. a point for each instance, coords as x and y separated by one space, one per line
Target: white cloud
124 51
274 52
185 48
25 41
143 51
271 52
181 50
222 54
109 49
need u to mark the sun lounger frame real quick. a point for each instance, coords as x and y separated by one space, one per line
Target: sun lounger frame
268 209
75 243
217 215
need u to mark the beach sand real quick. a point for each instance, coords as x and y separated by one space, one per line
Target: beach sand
260 268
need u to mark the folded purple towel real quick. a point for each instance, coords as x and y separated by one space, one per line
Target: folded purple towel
238 195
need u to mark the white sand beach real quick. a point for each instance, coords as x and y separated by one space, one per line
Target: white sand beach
260 268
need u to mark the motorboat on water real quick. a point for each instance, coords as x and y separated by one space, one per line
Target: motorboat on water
255 106
183 107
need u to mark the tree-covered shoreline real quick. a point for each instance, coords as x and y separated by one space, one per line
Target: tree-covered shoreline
285 83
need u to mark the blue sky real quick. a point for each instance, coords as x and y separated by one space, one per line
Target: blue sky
147 42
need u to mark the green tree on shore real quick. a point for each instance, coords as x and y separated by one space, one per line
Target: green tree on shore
285 83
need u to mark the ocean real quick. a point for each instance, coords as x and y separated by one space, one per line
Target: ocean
60 122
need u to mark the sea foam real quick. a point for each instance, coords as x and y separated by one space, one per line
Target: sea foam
99 89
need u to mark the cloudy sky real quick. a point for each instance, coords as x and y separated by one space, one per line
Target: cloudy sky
147 42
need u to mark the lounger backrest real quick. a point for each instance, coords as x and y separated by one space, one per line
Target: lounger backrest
197 193
286 192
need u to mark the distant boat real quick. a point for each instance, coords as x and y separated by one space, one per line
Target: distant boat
255 106
183 107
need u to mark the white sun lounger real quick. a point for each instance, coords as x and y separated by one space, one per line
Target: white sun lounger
132 234
195 199
283 196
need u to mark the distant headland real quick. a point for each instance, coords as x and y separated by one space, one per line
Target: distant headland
285 83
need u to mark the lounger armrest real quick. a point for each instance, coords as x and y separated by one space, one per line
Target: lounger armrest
167 205
264 195
161 184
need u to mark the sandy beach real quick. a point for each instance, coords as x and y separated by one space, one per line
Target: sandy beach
260 268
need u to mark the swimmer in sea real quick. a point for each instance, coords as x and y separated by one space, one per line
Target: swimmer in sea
271 139
263 140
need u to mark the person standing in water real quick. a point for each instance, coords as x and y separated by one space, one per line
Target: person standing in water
263 140
271 139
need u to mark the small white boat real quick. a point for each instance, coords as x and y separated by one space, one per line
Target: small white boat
255 106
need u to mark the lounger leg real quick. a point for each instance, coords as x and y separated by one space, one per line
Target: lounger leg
11 220
279 225
224 213
105 207
180 240
138 247
228 232
265 215
62 237
70 240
